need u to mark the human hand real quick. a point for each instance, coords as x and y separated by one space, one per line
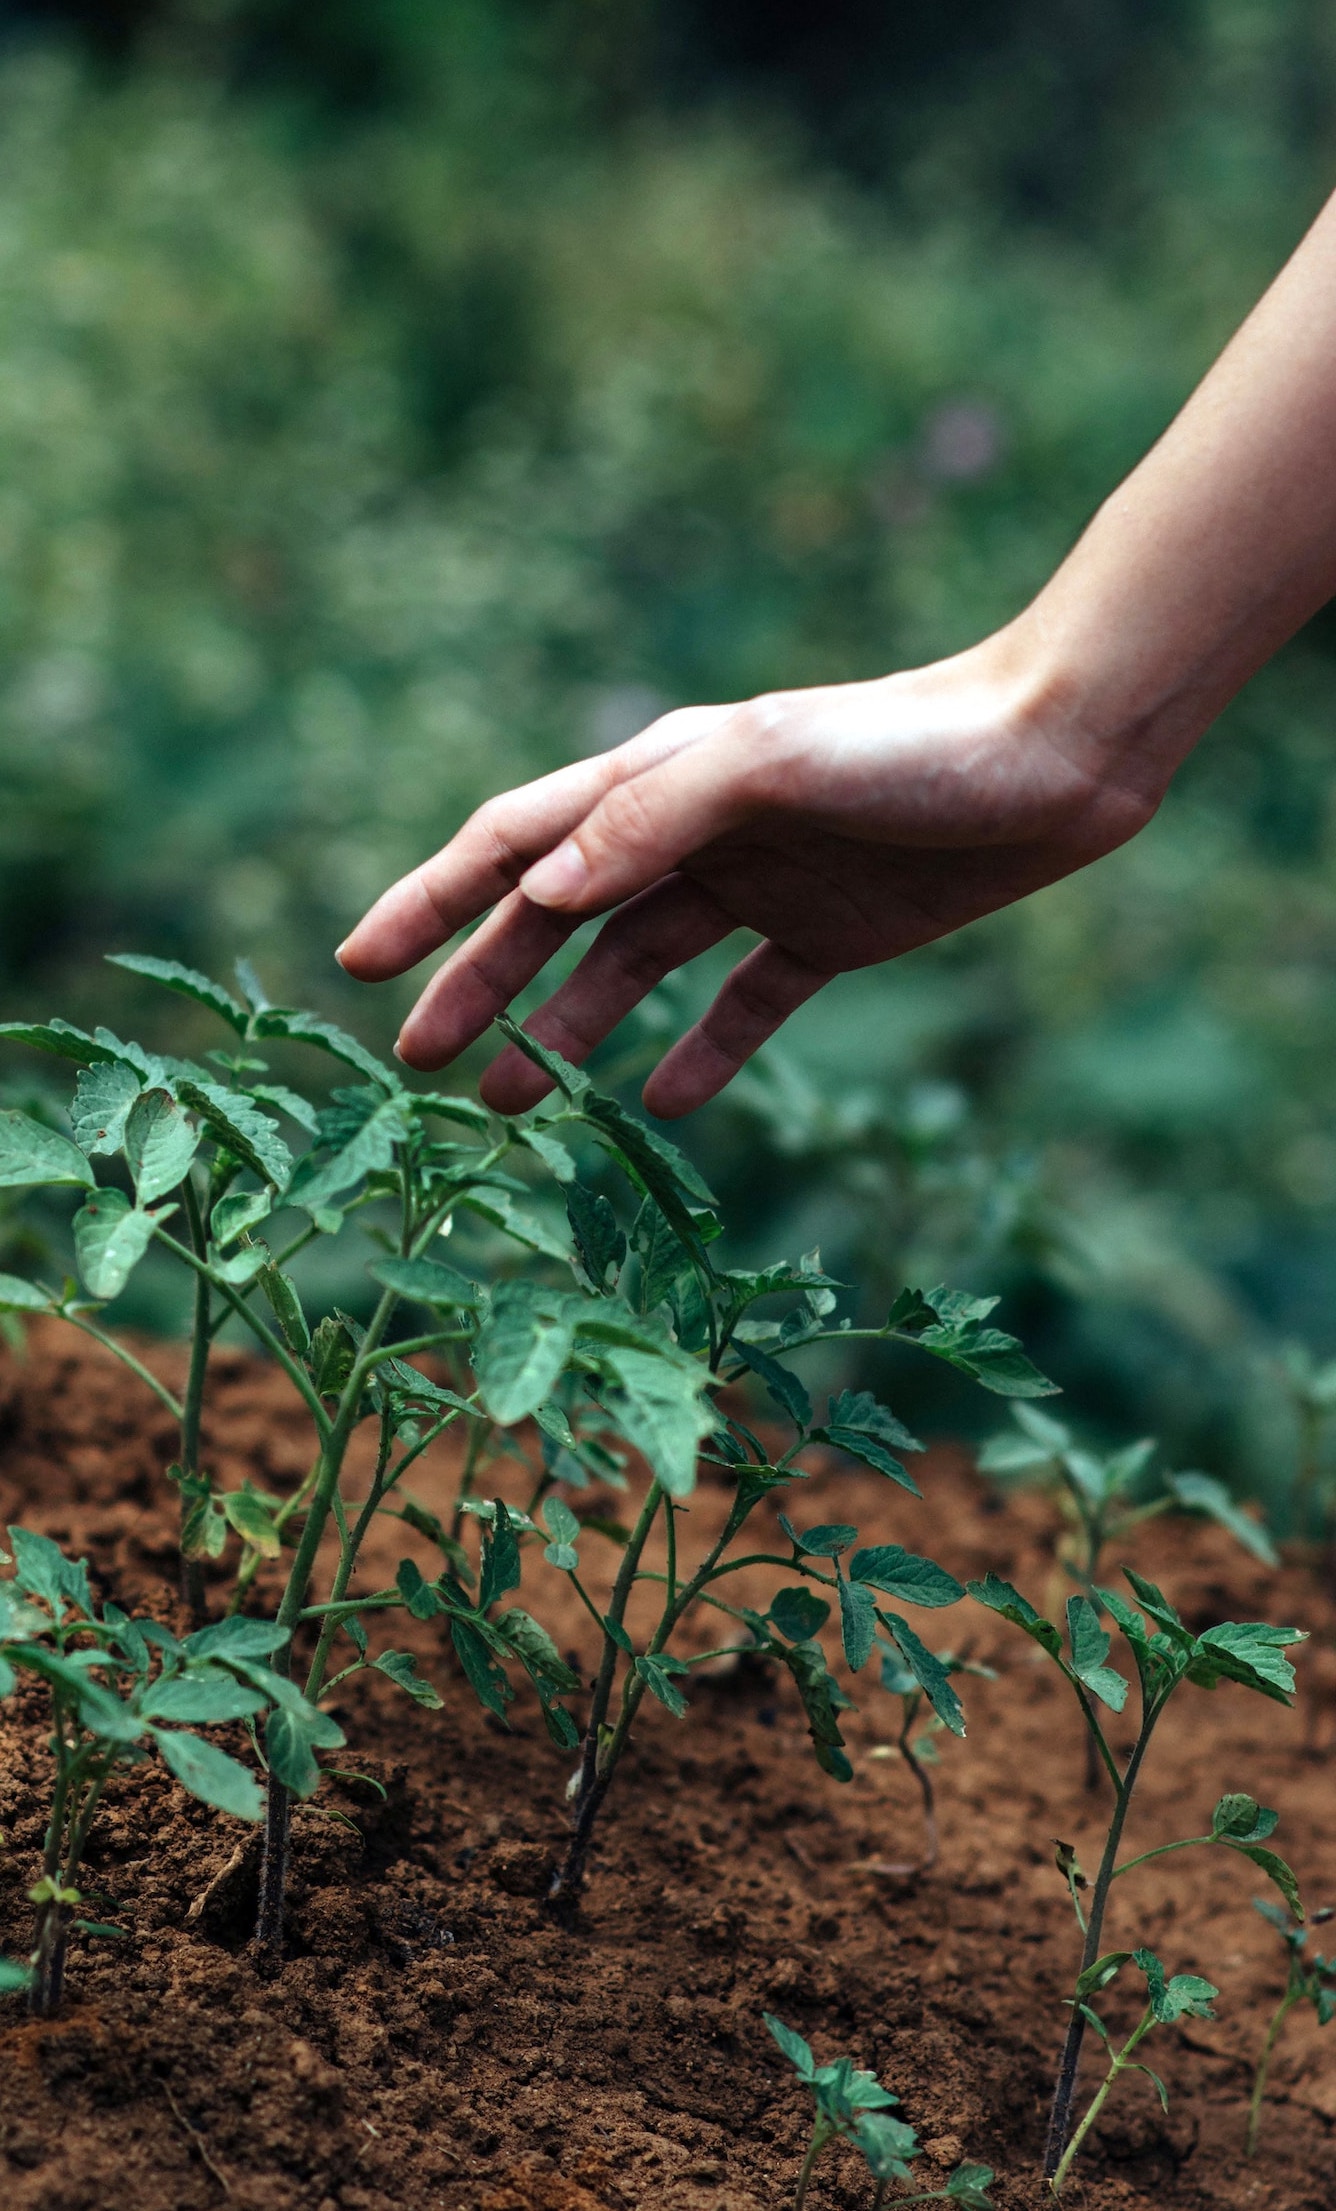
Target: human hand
845 825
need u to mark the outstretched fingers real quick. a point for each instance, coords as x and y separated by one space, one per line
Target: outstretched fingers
665 927
760 994
479 981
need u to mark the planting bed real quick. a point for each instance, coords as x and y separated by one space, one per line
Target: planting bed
433 2041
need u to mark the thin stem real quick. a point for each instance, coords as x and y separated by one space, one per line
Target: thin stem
477 1436
820 2137
1118 2059
1283 2009
769 1558
128 1359
1065 2089
1162 1850
350 1544
671 1527
192 1569
926 1791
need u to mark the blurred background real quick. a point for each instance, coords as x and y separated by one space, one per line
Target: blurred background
401 397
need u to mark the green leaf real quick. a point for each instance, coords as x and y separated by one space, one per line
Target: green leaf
1239 1818
792 2044
571 1081
62 1039
858 1624
284 1302
103 1097
500 1558
1274 1867
235 1637
536 1652
402 1668
234 1214
967 2186
1104 1969
799 1614
599 1243
657 1673
515 1221
900 1573
928 1671
1157 1605
416 1515
18 1296
188 982
309 1028
209 1774
428 1282
1185 1995
291 1102
1203 1493
826 1541
485 1677
295 1731
360 1131
871 1453
41 1569
1000 1597
617 1634
662 1410
332 1355
550 1150
33 1157
253 1520
784 1388
201 1699
1247 1652
463 1110
564 1529
886 2144
159 1144
14 1977
110 1238
949 1324
237 1127
859 1412
1090 1648
822 1699
522 1348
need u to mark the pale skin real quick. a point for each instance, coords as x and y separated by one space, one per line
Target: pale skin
848 824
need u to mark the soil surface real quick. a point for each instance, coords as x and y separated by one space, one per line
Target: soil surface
434 2042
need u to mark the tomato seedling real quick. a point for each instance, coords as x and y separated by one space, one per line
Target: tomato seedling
851 2105
1166 1655
119 1689
1307 1981
918 1751
1185 1996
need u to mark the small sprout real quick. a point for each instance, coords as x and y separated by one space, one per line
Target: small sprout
1308 1981
1186 1995
851 2105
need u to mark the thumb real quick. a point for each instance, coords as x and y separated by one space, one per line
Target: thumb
642 828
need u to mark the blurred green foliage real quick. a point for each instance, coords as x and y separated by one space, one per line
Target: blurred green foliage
398 400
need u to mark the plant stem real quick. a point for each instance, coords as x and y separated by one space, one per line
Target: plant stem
1117 2061
1279 2016
274 1872
192 1569
1065 2089
564 1895
128 1359
926 1791
350 1545
820 2137
1162 1850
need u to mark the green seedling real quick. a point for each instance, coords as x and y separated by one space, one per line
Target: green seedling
121 1689
666 1330
599 1337
852 2106
1185 1996
1308 1981
1098 1494
919 1751
1166 1655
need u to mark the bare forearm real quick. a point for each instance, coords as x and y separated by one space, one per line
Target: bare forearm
1215 550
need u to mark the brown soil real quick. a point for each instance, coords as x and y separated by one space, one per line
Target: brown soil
432 2042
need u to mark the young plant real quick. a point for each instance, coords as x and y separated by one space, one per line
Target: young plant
1185 1996
611 1336
119 1689
1166 1655
919 1752
1307 1981
851 2105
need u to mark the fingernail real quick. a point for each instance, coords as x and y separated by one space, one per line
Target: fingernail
558 878
400 1057
339 951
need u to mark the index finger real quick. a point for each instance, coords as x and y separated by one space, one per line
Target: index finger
486 858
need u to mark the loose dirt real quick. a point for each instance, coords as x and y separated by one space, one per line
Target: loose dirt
433 2042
